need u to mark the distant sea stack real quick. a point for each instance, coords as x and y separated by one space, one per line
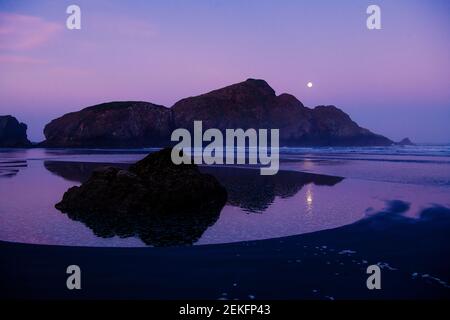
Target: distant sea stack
249 104
13 134
405 142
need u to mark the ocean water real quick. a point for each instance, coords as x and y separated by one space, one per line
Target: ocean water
316 189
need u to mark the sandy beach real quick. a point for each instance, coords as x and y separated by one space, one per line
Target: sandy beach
413 255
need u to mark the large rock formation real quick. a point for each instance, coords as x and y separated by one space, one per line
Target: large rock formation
162 203
249 104
115 124
254 104
12 133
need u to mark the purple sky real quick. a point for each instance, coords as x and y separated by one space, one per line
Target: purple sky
394 81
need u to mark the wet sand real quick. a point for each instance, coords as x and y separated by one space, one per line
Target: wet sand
414 256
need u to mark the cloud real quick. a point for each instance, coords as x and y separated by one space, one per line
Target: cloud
23 32
16 59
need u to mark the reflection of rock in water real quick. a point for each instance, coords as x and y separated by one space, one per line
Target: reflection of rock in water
9 168
254 193
246 188
162 203
78 171
161 229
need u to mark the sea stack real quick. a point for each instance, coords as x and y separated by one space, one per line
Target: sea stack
405 142
111 125
13 134
148 200
248 104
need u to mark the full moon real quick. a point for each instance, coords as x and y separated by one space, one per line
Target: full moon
309 84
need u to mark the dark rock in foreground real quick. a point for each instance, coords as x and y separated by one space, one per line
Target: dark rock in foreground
147 200
249 104
246 188
12 133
